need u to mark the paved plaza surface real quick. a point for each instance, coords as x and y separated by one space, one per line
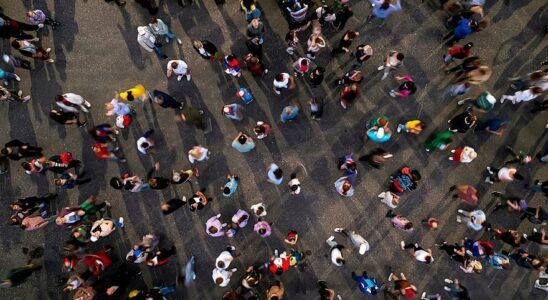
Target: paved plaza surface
97 53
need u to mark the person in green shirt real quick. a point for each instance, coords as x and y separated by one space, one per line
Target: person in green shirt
439 140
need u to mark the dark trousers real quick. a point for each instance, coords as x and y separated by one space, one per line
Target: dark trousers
412 246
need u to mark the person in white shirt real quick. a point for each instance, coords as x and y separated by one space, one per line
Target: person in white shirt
72 103
225 258
335 252
198 153
357 240
523 96
294 184
283 81
179 68
144 144
259 209
419 253
222 277
147 40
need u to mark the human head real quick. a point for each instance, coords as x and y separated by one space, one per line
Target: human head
31 14
221 264
408 226
26 166
385 4
153 20
400 56
15 44
59 221
259 211
352 34
428 259
5 151
174 65
255 22
242 139
261 231
198 44
59 98
304 62
226 190
159 99
340 260
382 122
279 77
536 90
145 145
278 173
130 96
230 57
212 229
116 183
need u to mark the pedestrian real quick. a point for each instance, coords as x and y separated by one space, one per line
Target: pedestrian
418 252
294 184
68 181
263 228
135 184
199 200
439 140
198 153
145 144
382 9
394 60
33 222
523 96
206 49
352 76
458 52
275 291
232 65
290 112
72 103
477 76
115 107
274 174
335 252
233 111
6 77
292 41
297 11
165 100
262 130
367 285
157 182
11 28
357 240
158 27
464 28
38 17
103 227
345 42
35 166
255 29
214 226
407 87
389 198
255 65
504 174
403 285
250 10
15 150
363 53
222 262
316 76
301 66
292 238
348 94
379 131
240 218
178 68
104 133
463 121
172 205
147 40
230 187
484 103
259 209
10 96
463 155
314 44
65 118
537 78
18 276
28 48
325 292
456 290
475 220
344 187
283 81
520 157
465 192
400 222
105 151
222 277
496 126
413 126
316 108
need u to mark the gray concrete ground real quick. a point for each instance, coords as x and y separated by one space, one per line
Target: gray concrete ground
96 53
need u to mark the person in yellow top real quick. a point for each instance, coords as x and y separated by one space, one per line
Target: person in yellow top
134 94
414 126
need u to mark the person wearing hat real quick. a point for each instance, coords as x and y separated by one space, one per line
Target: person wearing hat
243 143
233 111
357 240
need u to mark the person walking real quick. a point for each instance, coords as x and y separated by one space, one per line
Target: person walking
15 150
345 42
394 60
458 52
198 153
463 155
230 187
243 143
418 252
314 44
147 40
145 145
407 87
290 112
475 220
357 240
206 49
214 226
465 192
523 96
367 285
38 17
158 27
301 66
363 53
28 47
178 68
72 102
263 228
69 181
232 65
344 187
335 252
283 81
382 9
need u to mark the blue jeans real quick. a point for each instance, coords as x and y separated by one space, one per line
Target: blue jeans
170 36
8 77
158 52
167 290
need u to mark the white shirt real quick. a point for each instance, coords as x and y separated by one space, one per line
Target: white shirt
283 83
203 155
504 174
256 207
225 275
421 255
74 98
335 254
225 257
140 142
181 69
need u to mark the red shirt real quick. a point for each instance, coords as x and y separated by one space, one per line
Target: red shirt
101 151
459 52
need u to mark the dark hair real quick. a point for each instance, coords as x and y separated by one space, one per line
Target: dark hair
248 3
400 56
385 4
304 62
278 173
259 129
153 20
4 151
262 231
373 291
220 264
428 259
242 139
116 183
408 225
213 229
351 34
230 57
145 145
536 90
274 297
279 77
130 96
59 98
226 190
320 69
131 258
340 260
26 165
15 44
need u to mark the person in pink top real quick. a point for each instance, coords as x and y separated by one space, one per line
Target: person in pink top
407 87
465 192
214 227
35 222
400 222
263 228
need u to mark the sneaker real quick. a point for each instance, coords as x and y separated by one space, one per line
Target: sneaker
121 222
423 296
20 93
392 94
266 71
402 245
390 276
380 68
488 180
179 41
448 280
502 99
331 238
448 289
459 219
338 229
179 77
460 211
227 71
50 60
123 160
26 98
232 248
116 149
535 230
167 40
398 130
188 77
48 50
108 204
277 92
524 235
17 77
343 105
489 170
234 270
495 193
461 102
40 25
309 56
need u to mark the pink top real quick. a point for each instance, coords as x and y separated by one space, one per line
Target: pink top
214 222
263 225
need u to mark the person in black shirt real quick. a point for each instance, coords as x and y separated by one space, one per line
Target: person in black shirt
157 183
16 150
172 205
345 42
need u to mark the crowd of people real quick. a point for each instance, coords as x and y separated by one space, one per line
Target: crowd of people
94 272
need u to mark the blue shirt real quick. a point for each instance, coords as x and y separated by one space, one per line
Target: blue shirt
284 117
373 136
462 30
232 184
271 175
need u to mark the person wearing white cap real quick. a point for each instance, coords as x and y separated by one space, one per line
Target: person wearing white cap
357 240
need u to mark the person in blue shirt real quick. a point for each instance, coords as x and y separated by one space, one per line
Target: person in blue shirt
243 143
495 126
367 285
382 9
231 186
379 134
289 113
464 28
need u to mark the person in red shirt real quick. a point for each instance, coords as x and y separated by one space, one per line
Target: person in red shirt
105 151
458 52
279 263
232 65
348 94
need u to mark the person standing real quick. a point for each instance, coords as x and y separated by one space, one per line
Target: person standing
15 150
158 27
263 228
179 68
465 192
274 174
72 102
275 291
363 53
290 112
28 48
243 143
232 65
367 285
283 81
345 42
419 253
458 52
144 143
214 226
147 40
314 44
475 220
10 28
